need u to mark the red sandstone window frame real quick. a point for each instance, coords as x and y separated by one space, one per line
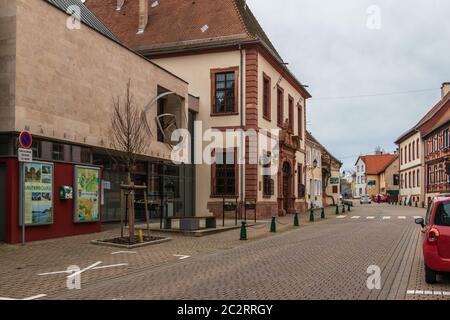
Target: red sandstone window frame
214 73
214 172
291 113
267 97
300 120
280 106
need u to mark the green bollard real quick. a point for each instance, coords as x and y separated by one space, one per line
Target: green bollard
337 210
423 204
273 225
349 207
322 213
244 231
343 208
311 215
296 220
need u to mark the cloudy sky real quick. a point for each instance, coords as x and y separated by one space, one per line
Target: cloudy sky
392 70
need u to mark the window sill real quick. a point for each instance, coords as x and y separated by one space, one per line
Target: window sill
267 118
225 114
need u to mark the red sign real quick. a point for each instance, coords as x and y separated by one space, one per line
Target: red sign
25 140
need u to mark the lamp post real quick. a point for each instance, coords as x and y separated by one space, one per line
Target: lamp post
314 167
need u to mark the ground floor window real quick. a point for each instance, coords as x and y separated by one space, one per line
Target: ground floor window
225 173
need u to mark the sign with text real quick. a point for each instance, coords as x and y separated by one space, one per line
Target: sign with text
37 193
25 155
87 194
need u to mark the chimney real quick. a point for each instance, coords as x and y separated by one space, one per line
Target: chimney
143 15
120 4
445 89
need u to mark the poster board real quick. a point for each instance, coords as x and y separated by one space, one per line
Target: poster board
87 194
37 194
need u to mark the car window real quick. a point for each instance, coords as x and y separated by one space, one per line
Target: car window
443 215
428 216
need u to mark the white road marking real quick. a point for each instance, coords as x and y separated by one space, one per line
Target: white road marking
402 218
411 292
387 218
26 299
181 257
53 273
437 293
111 266
124 252
428 293
370 218
445 293
419 292
84 270
356 217
342 217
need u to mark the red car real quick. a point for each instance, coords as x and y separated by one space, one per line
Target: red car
436 244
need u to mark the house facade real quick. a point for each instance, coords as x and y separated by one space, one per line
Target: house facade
435 132
62 92
390 180
243 85
360 187
314 177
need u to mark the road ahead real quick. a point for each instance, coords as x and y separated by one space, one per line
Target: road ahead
328 260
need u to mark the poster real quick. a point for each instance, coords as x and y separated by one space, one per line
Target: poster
87 188
38 193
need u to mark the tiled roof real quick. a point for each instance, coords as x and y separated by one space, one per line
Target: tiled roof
87 16
376 164
179 23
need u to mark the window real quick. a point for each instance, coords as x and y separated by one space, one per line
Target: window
301 186
414 180
396 181
443 215
224 173
401 155
409 152
36 147
418 149
409 180
413 151
224 91
267 112
57 152
291 114
280 106
300 121
268 182
418 178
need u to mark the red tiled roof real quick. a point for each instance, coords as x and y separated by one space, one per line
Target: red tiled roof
376 164
175 23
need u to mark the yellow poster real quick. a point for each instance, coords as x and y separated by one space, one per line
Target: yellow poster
87 203
38 193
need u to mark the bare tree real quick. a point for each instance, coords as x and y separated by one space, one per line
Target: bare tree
128 131
130 140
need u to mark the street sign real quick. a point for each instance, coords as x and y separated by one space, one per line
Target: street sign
25 140
25 155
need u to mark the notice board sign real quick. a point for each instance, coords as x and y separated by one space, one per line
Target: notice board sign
87 194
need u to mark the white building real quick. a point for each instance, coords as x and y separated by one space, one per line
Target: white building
360 179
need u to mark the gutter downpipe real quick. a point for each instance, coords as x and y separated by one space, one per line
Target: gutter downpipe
242 160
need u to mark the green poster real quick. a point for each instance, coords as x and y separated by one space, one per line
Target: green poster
87 202
38 193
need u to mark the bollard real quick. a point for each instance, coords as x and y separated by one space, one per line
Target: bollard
423 204
311 215
343 208
273 225
140 236
349 207
417 204
322 213
244 231
296 220
337 210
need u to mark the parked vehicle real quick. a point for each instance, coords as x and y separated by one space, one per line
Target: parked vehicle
436 243
381 198
365 200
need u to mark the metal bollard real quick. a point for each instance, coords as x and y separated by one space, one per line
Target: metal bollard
244 231
349 207
343 208
296 220
311 215
273 225
322 213
337 210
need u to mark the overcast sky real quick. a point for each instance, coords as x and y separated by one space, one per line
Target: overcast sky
330 47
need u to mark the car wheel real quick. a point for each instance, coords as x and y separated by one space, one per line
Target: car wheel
430 275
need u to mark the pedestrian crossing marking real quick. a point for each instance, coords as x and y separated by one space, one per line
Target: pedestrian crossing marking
427 293
342 217
402 218
387 218
356 217
370 218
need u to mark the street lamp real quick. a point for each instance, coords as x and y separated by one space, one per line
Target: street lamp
315 165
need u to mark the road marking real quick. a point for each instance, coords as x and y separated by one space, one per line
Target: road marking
411 292
124 252
437 293
356 217
181 257
26 299
111 266
84 270
370 218
428 293
402 218
387 218
445 293
53 273
342 217
417 217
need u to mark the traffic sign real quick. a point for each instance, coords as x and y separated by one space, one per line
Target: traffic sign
25 140
25 155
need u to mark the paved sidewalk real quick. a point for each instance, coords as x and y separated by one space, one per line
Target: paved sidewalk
21 265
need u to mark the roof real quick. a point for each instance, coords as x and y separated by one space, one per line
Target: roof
86 16
178 26
311 138
430 114
376 164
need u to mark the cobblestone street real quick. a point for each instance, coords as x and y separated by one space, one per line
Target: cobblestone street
323 260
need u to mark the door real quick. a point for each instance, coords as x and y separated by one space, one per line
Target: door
287 187
442 223
2 202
